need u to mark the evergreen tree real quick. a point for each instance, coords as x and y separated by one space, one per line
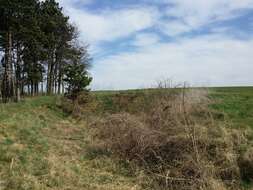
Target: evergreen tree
37 41
8 20
76 75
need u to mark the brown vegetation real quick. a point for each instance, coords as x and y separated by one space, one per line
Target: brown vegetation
176 142
246 165
83 106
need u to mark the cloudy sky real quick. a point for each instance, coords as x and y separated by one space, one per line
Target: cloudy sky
135 43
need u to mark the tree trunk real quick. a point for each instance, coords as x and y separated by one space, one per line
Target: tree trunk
32 89
48 77
37 88
29 89
59 85
59 79
63 88
52 78
49 73
18 74
22 85
42 88
7 89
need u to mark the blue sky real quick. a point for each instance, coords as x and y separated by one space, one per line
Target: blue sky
135 43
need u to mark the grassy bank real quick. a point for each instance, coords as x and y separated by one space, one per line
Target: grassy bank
41 148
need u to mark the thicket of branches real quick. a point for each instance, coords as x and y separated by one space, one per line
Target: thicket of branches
37 44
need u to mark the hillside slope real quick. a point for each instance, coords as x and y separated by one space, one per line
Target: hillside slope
41 148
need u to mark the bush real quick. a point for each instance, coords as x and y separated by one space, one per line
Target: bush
176 142
82 107
246 165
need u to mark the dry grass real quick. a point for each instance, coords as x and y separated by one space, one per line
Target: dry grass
81 108
42 149
176 142
246 165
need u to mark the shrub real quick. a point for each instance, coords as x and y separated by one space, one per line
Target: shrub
246 165
82 107
176 142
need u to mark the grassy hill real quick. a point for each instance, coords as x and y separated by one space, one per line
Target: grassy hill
43 148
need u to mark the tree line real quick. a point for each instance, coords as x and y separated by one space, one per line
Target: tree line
39 50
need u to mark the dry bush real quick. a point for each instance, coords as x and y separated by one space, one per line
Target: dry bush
82 107
66 105
176 142
246 165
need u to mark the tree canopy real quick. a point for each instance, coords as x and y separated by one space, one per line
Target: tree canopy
38 46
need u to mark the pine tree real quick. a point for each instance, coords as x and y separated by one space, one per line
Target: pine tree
76 75
8 20
55 27
37 42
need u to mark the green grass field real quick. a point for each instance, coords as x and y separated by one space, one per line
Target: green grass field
236 103
42 148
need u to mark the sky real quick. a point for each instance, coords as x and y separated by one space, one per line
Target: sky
136 43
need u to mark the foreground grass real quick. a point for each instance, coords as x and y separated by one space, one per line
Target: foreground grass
41 148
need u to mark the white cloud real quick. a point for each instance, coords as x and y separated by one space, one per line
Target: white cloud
112 24
189 15
109 25
146 39
192 14
214 59
209 60
173 28
67 3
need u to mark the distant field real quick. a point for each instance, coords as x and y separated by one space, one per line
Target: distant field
235 102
